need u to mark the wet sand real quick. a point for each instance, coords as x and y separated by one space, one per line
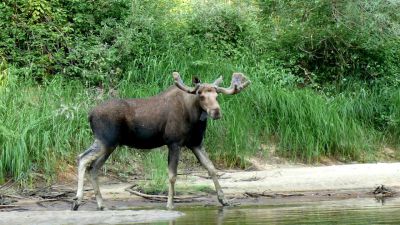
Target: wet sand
274 186
85 217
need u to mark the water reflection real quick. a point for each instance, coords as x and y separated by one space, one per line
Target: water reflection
350 211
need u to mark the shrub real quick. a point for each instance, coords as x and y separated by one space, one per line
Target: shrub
331 41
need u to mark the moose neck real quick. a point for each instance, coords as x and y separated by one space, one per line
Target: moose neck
200 114
196 113
203 116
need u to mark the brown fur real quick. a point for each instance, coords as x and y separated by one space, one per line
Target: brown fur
147 123
176 118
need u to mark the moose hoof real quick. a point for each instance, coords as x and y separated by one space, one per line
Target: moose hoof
225 202
75 205
170 207
102 208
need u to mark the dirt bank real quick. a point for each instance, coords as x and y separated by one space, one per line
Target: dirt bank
306 179
271 186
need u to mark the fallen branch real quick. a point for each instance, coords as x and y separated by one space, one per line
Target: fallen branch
12 196
48 200
219 175
159 198
8 206
39 202
271 195
203 176
7 185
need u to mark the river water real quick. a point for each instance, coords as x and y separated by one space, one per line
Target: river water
269 211
349 211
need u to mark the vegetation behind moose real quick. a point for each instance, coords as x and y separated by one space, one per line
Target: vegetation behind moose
176 118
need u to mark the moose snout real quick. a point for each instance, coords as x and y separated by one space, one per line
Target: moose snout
215 114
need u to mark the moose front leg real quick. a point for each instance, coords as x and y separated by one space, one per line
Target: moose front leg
173 159
206 162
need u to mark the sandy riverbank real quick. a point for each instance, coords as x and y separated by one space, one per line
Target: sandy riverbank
268 186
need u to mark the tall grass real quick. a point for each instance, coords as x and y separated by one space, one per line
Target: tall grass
377 108
42 126
155 170
133 49
393 117
45 126
309 126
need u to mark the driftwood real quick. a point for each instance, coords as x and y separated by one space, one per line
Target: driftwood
219 175
8 206
7 185
250 179
40 202
49 193
12 196
271 195
159 198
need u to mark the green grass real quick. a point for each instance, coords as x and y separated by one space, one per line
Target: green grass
393 117
203 188
309 126
134 49
44 127
155 165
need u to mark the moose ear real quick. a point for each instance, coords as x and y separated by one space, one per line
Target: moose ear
196 80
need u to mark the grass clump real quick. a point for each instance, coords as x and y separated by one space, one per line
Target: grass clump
155 166
309 126
42 127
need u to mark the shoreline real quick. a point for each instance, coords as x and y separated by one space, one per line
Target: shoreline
274 185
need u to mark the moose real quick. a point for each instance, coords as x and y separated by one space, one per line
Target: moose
176 118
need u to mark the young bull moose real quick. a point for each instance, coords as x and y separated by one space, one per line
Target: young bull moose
176 118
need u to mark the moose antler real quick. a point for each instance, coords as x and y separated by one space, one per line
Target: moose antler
179 83
238 83
218 81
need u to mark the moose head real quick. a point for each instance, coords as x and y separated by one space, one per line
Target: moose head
208 93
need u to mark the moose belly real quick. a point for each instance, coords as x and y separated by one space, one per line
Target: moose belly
143 138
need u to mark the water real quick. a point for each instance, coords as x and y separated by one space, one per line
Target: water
350 211
266 211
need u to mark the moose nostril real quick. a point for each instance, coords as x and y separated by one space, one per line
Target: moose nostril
216 114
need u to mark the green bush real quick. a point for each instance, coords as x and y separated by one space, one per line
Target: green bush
325 74
224 28
331 41
70 38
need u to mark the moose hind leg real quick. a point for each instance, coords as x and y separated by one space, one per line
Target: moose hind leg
93 171
84 161
173 159
202 156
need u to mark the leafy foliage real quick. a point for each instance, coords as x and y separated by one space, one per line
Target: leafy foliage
331 41
224 28
67 38
325 74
